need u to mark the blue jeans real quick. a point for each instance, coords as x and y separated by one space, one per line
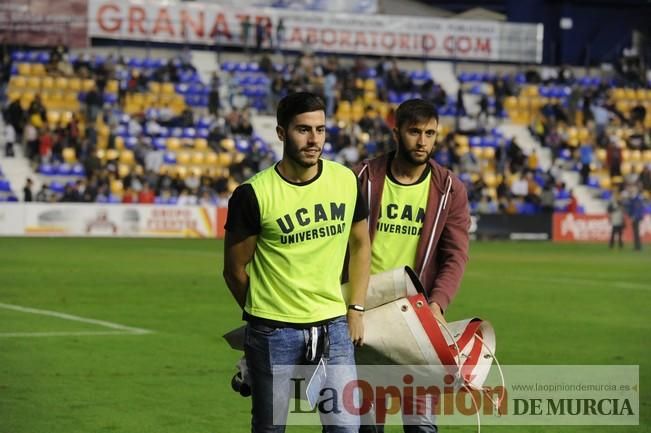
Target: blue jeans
272 355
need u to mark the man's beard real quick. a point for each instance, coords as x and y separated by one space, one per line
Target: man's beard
409 157
292 151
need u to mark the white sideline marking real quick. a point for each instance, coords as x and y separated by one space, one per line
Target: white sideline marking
119 329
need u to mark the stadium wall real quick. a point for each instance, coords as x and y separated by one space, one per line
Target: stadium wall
164 221
114 220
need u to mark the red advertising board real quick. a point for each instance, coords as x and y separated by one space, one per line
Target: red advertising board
569 227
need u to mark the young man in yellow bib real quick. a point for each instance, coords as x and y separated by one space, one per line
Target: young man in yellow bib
287 231
418 217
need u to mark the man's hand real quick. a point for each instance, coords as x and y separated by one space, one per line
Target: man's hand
356 327
438 314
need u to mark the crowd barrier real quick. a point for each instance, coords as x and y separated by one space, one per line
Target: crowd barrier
164 221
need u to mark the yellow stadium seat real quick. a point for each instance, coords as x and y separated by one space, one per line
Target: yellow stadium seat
197 158
112 154
630 94
167 88
488 153
200 144
173 144
101 154
211 158
69 155
635 156
510 102
646 156
584 135
227 144
181 171
127 157
37 69
111 86
154 87
103 130
195 171
17 82
24 69
626 155
640 94
87 84
74 84
626 168
47 83
61 83
618 94
34 83
604 182
490 180
601 155
53 117
123 170
117 187
476 151
183 158
66 117
225 159
119 143
530 90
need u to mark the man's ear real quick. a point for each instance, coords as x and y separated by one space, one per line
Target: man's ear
395 134
280 131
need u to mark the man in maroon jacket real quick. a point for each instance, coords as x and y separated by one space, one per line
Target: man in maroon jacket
418 217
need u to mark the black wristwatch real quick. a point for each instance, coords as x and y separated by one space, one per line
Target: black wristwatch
356 307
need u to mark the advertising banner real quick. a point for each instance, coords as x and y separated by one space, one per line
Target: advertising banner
570 227
98 220
514 227
45 22
215 25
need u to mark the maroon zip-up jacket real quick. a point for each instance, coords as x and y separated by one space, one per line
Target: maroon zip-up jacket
442 251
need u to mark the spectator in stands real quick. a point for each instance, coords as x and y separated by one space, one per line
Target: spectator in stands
146 195
36 107
486 205
405 178
585 158
94 104
43 195
130 196
573 204
616 218
15 115
280 34
645 178
260 35
27 190
245 32
614 159
45 144
547 198
10 139
31 141
213 95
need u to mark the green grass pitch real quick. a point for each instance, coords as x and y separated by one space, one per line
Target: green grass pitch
549 304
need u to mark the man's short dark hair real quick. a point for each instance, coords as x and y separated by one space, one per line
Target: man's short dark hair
415 111
297 103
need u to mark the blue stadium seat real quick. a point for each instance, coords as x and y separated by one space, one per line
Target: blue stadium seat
56 187
64 169
5 186
110 98
182 88
17 56
78 170
169 158
159 143
475 141
164 131
242 145
130 142
189 132
46 170
203 132
176 132
228 66
12 199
